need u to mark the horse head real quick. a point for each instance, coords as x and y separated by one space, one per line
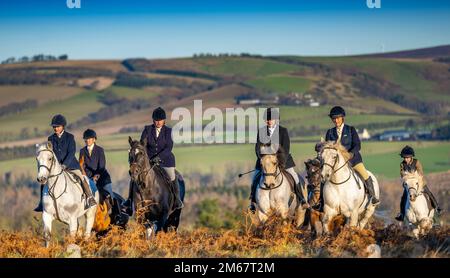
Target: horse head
45 160
137 158
414 183
331 155
272 162
313 174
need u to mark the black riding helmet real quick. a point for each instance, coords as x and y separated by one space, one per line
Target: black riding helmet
159 114
271 114
407 151
89 133
336 112
58 120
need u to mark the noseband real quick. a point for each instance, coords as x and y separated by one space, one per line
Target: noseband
334 171
274 174
51 166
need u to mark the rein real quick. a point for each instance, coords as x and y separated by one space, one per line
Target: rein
51 188
336 160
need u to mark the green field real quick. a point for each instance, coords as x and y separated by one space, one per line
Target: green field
380 157
73 108
281 84
133 93
248 67
409 75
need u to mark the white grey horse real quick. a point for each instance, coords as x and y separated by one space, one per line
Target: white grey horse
275 194
418 212
63 197
343 191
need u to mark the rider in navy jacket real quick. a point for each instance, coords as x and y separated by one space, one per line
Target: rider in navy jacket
64 147
349 138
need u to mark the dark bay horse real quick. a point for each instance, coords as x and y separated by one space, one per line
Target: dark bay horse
152 192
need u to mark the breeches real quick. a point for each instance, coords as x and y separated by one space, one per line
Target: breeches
170 172
361 170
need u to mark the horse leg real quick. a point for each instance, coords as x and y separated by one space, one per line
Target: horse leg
367 215
150 230
48 220
300 216
90 218
354 218
262 217
328 215
73 226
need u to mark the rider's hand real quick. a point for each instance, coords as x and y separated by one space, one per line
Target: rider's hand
156 160
96 177
63 167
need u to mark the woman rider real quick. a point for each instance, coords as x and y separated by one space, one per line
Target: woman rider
159 148
411 164
348 137
95 162
64 147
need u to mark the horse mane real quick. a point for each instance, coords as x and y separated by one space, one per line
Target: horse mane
338 146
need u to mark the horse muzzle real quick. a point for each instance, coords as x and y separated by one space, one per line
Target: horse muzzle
42 180
269 185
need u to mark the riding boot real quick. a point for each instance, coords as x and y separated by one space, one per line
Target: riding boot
370 189
128 204
433 200
252 198
402 213
40 207
90 202
176 191
299 194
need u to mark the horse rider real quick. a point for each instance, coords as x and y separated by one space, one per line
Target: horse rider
273 128
411 164
64 147
94 165
159 148
348 137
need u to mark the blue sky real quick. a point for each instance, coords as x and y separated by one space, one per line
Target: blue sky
104 29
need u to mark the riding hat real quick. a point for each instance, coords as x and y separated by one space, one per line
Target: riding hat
407 151
58 120
89 133
271 114
159 114
336 112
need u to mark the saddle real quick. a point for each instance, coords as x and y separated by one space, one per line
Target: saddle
296 188
359 179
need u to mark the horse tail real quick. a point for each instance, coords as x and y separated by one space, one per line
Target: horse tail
102 219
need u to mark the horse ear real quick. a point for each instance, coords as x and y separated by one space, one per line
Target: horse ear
49 145
130 141
322 140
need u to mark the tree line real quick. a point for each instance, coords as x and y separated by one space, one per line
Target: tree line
17 107
35 58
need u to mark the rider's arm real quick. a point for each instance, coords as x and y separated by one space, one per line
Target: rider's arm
144 134
257 146
328 135
356 143
419 168
101 163
71 149
167 148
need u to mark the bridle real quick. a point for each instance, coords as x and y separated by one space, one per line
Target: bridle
273 174
51 188
336 162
